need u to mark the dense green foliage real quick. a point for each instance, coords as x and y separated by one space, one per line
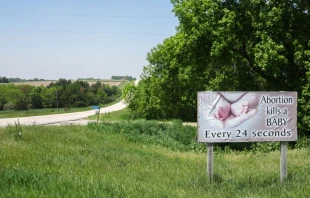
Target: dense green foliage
81 161
249 45
62 93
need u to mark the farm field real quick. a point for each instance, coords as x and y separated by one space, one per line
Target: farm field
46 83
114 161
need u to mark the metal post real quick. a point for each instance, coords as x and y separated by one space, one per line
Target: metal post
98 116
210 161
283 162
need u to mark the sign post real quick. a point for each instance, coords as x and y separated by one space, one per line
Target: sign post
210 161
97 107
283 162
247 117
98 116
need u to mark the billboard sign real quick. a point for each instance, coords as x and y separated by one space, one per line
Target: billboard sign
247 116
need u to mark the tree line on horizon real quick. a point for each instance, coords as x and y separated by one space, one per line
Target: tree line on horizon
130 78
8 80
63 93
251 45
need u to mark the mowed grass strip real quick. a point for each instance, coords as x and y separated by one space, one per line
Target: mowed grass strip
39 112
82 161
121 115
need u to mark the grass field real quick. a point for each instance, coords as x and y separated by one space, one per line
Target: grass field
110 161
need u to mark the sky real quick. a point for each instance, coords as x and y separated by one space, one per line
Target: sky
72 39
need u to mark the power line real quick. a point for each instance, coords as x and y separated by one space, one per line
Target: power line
90 15
82 32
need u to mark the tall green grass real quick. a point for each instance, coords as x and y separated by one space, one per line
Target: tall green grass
120 161
172 135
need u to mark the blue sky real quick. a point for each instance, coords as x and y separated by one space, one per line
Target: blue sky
72 39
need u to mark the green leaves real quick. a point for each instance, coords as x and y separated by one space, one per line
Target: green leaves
254 45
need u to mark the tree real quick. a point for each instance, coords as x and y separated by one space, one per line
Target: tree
48 96
228 45
101 96
108 90
35 98
21 103
116 91
5 79
96 86
26 90
91 98
61 83
66 99
79 90
12 92
3 101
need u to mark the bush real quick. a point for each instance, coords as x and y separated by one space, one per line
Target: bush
303 142
2 103
171 135
9 106
21 104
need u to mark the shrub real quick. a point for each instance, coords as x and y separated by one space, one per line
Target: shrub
9 106
172 135
21 104
2 103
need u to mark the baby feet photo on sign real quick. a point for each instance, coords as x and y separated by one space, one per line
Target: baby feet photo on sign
230 109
